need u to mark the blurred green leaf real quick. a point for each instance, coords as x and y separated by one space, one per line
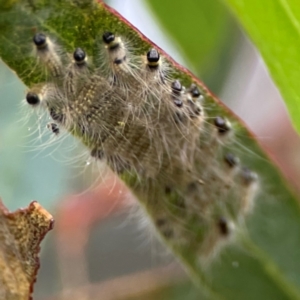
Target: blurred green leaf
274 27
265 262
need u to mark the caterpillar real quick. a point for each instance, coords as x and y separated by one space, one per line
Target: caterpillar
153 132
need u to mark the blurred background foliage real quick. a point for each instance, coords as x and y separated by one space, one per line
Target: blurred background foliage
205 38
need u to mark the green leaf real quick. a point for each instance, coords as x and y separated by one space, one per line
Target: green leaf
274 27
264 262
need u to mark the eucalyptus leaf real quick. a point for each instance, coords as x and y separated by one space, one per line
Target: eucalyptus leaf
274 27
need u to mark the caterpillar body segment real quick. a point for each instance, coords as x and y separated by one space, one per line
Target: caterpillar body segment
140 120
121 64
76 74
48 54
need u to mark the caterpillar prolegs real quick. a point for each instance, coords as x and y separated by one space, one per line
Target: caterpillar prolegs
155 133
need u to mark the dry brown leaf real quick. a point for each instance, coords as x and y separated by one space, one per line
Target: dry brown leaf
21 233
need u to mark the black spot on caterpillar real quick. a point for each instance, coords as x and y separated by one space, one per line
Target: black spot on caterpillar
54 128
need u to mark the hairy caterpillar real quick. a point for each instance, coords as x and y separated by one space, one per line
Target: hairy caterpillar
134 115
